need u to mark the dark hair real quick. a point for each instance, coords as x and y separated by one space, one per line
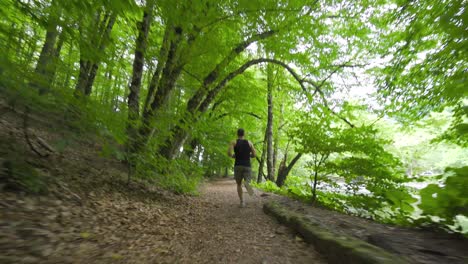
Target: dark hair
240 132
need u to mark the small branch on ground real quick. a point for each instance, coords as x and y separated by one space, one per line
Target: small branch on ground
26 135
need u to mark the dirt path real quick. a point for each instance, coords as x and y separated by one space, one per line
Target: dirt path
114 227
226 233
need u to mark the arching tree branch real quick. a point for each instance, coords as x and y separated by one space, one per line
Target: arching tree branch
243 112
213 92
211 77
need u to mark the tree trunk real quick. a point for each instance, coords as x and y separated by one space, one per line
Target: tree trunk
261 163
135 84
190 152
163 82
138 63
317 164
284 170
68 74
276 140
89 66
275 152
109 24
269 127
281 178
82 78
44 66
173 145
56 57
30 47
153 84
314 188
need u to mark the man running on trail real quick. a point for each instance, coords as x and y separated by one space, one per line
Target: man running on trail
243 151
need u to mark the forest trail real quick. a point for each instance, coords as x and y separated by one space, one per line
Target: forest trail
227 233
115 228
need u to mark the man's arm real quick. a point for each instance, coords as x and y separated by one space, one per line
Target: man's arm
253 153
231 149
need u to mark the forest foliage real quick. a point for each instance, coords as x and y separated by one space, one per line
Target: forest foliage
349 103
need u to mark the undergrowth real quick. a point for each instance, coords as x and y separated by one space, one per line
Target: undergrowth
371 207
78 119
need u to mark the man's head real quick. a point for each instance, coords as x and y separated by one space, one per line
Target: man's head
240 132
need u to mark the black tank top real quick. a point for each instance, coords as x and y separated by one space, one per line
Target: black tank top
242 151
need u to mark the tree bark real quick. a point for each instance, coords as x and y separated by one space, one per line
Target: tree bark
135 84
102 45
89 66
314 188
283 172
317 164
82 78
281 178
276 139
190 152
138 63
66 81
172 146
261 163
153 85
56 57
160 89
269 126
45 64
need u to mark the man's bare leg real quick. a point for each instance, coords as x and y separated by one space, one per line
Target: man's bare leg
239 192
249 188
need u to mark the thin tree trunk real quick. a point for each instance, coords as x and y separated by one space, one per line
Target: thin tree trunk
69 70
317 164
153 84
269 129
261 163
276 140
108 76
102 45
56 58
82 78
275 152
19 45
11 39
314 188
